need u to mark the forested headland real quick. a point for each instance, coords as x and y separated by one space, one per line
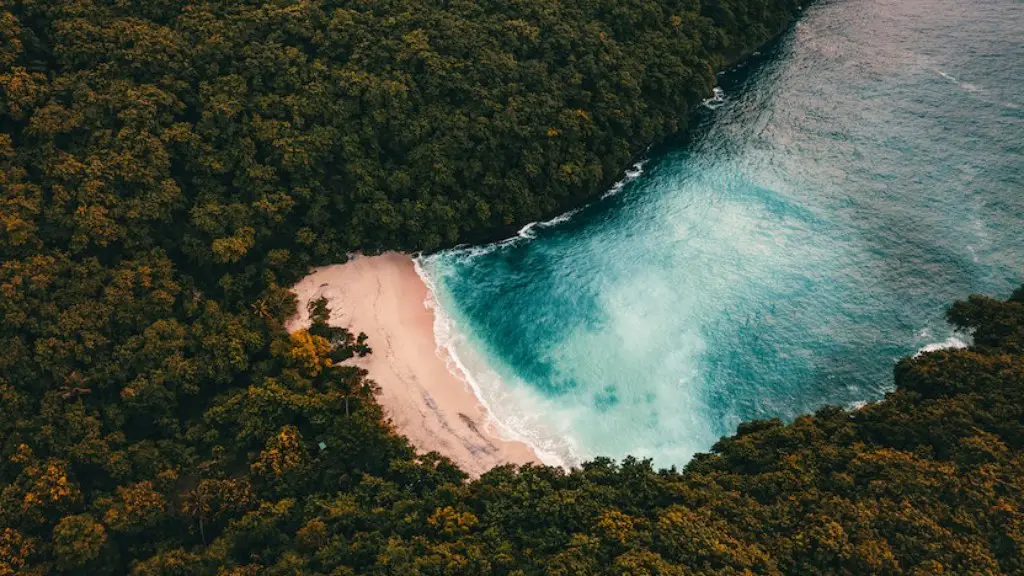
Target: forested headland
169 167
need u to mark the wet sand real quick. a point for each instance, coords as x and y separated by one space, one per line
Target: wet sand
384 297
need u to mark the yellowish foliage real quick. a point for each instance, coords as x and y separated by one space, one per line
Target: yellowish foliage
14 551
22 90
313 535
451 522
311 353
233 248
49 485
23 455
139 504
282 454
615 525
77 540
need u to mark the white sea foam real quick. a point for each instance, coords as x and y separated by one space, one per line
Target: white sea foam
976 90
514 421
526 232
974 255
529 231
615 189
631 174
558 219
954 342
717 99
966 86
513 429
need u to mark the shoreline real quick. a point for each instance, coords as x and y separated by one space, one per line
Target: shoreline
640 157
436 409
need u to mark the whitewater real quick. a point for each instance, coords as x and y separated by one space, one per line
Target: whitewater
839 191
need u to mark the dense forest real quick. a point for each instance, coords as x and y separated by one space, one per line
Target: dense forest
169 167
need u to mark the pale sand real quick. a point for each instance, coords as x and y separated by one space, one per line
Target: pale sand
384 297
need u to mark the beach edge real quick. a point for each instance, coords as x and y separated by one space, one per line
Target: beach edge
435 408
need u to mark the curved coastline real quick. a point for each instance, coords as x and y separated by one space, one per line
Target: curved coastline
430 403
444 340
449 412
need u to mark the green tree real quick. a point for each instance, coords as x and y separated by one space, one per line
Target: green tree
78 540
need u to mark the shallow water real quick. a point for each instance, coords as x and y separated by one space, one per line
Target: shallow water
857 178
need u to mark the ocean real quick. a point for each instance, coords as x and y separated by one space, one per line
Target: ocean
836 194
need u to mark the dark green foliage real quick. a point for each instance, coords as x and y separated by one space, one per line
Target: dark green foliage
167 166
278 133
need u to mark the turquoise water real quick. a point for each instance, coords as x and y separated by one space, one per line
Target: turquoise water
855 179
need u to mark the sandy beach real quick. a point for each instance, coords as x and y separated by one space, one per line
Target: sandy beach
385 298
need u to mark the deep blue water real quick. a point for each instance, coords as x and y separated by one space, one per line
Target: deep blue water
862 174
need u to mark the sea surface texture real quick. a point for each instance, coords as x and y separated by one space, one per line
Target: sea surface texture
840 190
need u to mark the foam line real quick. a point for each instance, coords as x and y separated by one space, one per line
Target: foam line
952 343
444 340
631 174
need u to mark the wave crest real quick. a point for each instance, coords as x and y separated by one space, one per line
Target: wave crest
632 173
445 337
717 99
955 342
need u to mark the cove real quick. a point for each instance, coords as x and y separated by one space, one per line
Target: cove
845 187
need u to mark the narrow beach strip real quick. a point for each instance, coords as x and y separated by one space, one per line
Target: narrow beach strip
435 409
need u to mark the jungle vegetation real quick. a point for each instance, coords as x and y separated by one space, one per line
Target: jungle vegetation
169 167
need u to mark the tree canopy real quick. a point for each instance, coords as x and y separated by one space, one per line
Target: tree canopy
168 166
